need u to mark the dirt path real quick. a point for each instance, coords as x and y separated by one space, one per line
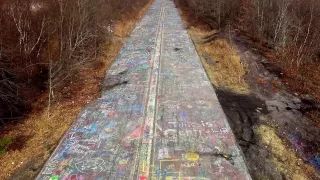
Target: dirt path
158 117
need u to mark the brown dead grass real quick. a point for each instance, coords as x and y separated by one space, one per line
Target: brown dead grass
42 134
221 61
285 159
219 58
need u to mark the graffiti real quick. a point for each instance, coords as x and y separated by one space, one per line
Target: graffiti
163 153
79 149
202 149
110 126
188 165
54 177
160 173
48 170
305 150
74 177
191 156
135 134
114 137
181 124
92 165
92 128
184 114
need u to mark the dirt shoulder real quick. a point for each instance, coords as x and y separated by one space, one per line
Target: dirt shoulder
35 137
277 139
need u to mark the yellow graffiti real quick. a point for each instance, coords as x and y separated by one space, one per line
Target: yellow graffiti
143 166
218 148
191 156
123 161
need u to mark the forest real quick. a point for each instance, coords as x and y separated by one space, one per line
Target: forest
44 43
287 32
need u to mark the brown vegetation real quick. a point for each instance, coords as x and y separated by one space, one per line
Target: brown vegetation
298 71
44 43
34 138
218 56
221 61
287 32
285 158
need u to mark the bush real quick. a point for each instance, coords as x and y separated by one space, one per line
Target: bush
4 143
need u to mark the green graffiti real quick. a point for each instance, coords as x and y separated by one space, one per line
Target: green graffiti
54 178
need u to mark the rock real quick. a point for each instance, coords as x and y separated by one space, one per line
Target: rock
283 158
247 134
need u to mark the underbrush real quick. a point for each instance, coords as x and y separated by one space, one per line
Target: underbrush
296 64
4 143
285 32
35 137
221 61
285 159
45 43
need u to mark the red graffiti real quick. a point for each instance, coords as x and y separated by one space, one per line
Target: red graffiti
135 134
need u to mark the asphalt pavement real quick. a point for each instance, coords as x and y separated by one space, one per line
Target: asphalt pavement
158 117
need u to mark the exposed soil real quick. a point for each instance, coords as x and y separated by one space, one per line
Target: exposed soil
278 141
243 113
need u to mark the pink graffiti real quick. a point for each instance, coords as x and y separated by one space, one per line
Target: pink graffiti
74 177
135 134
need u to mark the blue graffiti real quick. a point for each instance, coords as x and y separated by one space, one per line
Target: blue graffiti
92 129
184 114
111 124
305 151
315 162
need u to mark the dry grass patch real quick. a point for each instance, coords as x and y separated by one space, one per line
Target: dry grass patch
283 157
221 61
37 136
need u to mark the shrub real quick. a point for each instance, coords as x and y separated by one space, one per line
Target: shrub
4 143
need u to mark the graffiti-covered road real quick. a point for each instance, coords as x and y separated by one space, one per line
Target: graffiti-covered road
158 117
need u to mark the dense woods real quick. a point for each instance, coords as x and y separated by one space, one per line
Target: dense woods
289 29
43 43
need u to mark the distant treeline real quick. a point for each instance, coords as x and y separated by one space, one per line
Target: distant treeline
290 27
282 23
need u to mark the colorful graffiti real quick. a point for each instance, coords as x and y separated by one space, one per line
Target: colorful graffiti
305 150
158 117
